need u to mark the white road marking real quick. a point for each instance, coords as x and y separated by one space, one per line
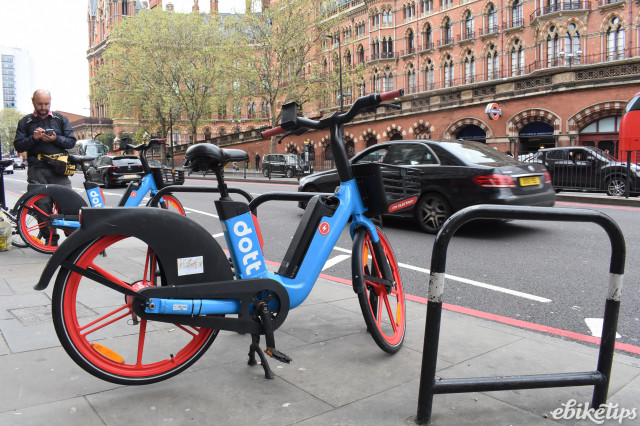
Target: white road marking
201 212
218 235
335 260
595 325
470 282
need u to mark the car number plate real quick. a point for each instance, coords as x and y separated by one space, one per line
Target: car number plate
529 181
130 176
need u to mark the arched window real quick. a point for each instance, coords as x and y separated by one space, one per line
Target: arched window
376 81
428 38
387 80
207 133
427 6
469 67
493 69
572 45
516 14
410 43
411 80
251 110
448 32
448 72
360 54
492 20
363 88
553 47
386 17
375 20
517 58
429 76
347 59
615 40
468 26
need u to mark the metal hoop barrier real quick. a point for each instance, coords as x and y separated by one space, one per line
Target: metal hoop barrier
599 378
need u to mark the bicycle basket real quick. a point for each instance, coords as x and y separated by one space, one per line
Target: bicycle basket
167 176
386 188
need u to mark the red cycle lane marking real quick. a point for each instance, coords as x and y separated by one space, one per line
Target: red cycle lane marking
603 206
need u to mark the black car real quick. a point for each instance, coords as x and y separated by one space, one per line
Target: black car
453 175
112 170
287 165
587 168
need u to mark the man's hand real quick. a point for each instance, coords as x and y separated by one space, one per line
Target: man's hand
49 138
38 133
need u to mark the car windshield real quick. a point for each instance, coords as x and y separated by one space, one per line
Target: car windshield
603 154
95 150
477 153
292 159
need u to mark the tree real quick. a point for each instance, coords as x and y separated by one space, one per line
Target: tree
277 59
157 63
107 139
9 118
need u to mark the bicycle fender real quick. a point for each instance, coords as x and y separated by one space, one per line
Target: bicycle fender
69 201
174 238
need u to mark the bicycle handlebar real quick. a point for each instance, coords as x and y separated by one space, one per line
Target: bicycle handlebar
359 104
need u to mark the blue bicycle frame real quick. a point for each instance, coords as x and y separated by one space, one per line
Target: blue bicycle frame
244 246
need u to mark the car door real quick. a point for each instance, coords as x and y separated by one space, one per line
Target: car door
279 164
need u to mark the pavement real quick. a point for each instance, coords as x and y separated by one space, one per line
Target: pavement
338 376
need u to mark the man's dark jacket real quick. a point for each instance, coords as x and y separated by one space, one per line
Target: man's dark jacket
65 139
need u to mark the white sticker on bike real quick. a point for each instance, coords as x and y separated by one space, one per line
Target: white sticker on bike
190 265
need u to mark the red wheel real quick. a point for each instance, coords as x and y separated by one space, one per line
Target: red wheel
99 330
382 298
32 224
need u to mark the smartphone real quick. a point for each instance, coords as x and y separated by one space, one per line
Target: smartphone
48 132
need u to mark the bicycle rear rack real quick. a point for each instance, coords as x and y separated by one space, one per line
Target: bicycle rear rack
599 378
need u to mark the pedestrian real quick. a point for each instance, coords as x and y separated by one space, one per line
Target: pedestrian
44 134
257 161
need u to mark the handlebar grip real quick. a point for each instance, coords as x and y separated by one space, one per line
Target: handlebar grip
272 132
391 95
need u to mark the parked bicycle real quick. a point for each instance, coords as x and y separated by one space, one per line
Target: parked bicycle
46 209
16 239
151 318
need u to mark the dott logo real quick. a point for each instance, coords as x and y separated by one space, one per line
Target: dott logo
245 245
95 197
324 228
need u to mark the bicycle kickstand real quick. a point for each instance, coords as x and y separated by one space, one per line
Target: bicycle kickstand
264 313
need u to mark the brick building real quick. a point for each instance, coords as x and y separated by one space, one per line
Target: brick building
560 72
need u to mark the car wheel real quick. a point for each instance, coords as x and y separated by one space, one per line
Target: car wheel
105 181
265 172
557 190
616 186
288 173
431 212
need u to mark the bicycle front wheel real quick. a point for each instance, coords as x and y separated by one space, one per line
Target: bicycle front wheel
99 329
382 299
171 203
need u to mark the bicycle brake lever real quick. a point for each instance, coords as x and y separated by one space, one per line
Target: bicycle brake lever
296 132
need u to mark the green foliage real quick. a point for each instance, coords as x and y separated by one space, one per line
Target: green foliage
9 118
107 139
157 62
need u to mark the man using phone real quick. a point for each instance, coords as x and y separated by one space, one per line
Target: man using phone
41 133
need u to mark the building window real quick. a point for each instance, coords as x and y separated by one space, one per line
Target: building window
427 6
516 14
615 40
410 43
572 45
428 38
553 47
469 67
387 17
492 20
411 80
517 58
468 27
360 54
448 32
448 72
387 80
429 77
493 69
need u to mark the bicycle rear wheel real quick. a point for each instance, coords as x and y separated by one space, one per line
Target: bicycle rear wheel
382 299
16 238
33 227
99 330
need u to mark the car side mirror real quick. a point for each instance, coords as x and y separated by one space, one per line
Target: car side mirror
591 158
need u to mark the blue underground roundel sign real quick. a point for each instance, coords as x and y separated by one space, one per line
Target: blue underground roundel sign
493 111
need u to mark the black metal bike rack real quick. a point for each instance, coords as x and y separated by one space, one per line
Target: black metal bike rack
599 378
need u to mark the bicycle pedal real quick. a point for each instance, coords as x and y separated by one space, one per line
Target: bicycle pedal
276 354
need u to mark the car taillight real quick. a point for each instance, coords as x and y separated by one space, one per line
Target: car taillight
113 168
495 181
547 177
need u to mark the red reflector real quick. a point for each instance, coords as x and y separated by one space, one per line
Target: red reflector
495 181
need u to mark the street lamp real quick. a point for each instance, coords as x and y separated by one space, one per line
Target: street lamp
570 56
340 69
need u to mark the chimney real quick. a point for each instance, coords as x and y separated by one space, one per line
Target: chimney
213 5
195 7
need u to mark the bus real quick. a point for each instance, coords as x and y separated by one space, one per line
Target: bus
629 135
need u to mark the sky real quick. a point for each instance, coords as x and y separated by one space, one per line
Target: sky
55 33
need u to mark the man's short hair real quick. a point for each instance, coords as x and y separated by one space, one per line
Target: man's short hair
42 91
